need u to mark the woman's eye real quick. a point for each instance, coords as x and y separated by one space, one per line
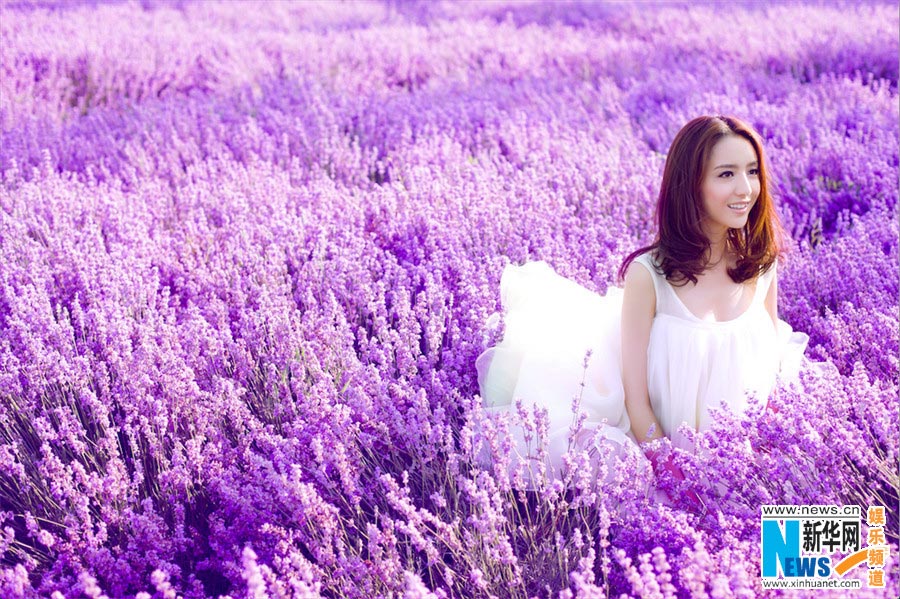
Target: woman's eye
725 174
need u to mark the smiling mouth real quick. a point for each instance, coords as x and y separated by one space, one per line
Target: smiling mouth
740 206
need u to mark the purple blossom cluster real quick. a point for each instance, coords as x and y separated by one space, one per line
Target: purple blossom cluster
248 250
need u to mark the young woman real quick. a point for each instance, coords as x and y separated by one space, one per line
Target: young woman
696 326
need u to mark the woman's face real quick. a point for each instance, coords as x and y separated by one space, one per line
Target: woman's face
730 186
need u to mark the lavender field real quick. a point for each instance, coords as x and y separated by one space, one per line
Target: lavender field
248 251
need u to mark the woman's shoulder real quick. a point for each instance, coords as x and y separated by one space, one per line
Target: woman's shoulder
649 262
644 271
646 258
639 297
643 278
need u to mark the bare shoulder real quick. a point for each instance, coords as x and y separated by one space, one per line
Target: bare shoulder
640 293
638 277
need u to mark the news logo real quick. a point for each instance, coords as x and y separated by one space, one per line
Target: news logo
815 546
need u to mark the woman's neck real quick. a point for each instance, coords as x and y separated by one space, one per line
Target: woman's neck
718 249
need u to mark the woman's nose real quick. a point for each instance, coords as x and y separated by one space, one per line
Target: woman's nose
742 185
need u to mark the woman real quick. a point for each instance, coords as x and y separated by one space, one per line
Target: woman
695 328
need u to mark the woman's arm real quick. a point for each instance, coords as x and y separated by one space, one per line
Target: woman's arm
638 309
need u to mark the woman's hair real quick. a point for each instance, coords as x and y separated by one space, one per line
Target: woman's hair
681 247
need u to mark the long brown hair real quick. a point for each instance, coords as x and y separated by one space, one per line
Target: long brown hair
681 247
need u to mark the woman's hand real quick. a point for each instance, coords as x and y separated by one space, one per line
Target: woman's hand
664 467
663 464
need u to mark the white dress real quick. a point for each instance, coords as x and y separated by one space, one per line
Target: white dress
692 365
